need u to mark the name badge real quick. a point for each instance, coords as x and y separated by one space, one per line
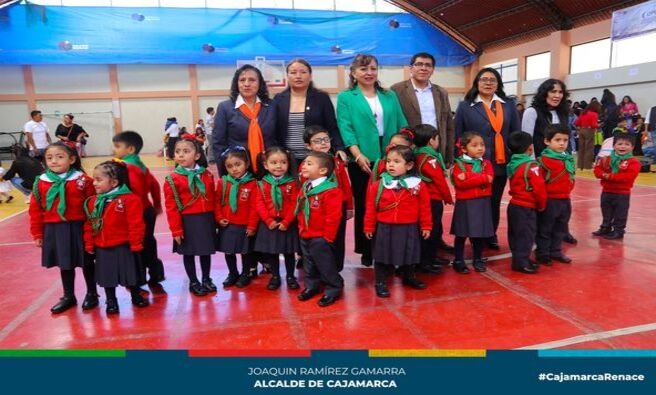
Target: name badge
243 196
120 206
315 202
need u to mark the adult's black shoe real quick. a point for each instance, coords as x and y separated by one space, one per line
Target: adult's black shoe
561 258
65 303
570 239
90 301
274 283
326 300
441 261
382 291
414 282
528 269
601 231
307 294
614 235
543 260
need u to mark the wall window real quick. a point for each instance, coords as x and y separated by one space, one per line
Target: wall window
508 71
634 50
538 66
590 56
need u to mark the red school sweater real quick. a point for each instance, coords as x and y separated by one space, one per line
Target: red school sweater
246 213
143 184
559 186
402 206
536 197
620 182
266 209
79 186
325 215
475 185
122 222
437 187
199 205
343 181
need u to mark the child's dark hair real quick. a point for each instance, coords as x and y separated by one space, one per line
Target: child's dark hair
424 133
552 130
129 138
406 134
115 170
261 158
467 138
405 152
619 136
202 161
77 165
238 152
312 131
325 160
518 142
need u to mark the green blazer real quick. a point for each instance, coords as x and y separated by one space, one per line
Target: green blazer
357 124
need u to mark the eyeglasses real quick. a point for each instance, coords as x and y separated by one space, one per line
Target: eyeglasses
486 80
420 65
321 140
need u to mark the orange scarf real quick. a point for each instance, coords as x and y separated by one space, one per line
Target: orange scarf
497 124
255 139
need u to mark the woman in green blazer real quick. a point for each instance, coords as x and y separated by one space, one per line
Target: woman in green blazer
367 116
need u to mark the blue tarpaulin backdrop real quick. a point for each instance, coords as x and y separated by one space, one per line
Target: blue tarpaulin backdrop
32 34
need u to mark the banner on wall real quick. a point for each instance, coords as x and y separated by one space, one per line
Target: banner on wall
34 34
633 21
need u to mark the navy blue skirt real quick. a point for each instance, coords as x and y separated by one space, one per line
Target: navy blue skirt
277 242
397 244
63 245
473 218
116 266
233 240
199 235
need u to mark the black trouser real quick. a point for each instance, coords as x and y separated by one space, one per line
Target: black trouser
273 260
498 185
359 184
552 227
340 241
149 259
170 147
319 266
477 245
522 227
429 246
615 211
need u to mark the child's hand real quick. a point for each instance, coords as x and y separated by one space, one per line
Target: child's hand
282 227
490 178
425 234
369 235
38 242
178 239
461 176
250 233
273 225
91 252
223 223
349 214
605 176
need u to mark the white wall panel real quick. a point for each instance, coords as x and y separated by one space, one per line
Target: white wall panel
215 77
71 78
13 115
11 80
134 78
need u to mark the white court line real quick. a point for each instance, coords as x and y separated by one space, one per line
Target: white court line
25 314
592 336
13 215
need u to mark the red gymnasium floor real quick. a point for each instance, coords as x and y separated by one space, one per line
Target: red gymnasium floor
605 299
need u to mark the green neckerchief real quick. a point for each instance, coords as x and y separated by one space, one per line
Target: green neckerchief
386 179
329 183
95 217
477 164
566 157
276 192
234 190
430 153
616 159
58 188
134 159
193 179
517 160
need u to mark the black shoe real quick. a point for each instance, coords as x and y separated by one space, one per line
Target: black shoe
445 247
252 274
243 281
382 291
561 258
65 303
528 269
569 239
307 294
614 235
197 289
479 265
90 301
439 261
601 231
460 267
292 283
139 301
543 260
326 300
112 306
533 264
299 263
9 199
231 280
274 283
366 261
431 269
414 282
209 286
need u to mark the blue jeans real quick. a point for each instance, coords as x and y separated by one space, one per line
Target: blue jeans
18 183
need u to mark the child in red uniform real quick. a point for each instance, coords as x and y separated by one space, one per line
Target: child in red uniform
236 214
472 216
127 146
558 168
398 212
114 231
617 173
317 139
403 137
189 200
432 171
277 232
57 222
528 197
319 214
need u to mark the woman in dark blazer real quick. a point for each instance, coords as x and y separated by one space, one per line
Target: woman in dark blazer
248 96
471 115
302 105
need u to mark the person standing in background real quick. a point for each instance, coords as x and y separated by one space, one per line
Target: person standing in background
37 135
